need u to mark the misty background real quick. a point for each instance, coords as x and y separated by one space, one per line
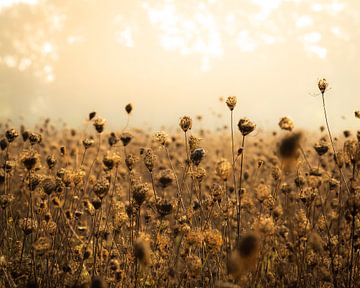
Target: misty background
65 58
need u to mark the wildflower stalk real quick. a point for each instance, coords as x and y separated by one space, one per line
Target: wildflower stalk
240 187
332 142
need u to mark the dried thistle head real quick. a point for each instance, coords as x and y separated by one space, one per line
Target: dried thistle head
185 123
286 124
323 85
246 126
231 102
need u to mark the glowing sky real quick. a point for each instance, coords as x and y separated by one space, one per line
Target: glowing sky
169 58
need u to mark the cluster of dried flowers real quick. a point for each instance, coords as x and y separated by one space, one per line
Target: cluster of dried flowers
128 209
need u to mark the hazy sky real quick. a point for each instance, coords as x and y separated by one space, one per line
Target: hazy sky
64 58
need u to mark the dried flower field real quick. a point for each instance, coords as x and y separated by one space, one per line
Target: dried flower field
95 208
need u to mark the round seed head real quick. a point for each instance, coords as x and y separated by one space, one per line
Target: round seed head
231 102
185 123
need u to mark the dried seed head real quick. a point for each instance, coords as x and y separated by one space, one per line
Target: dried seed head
166 177
35 138
357 114
88 142
164 208
149 158
29 159
101 188
194 143
92 115
112 140
223 169
11 135
51 161
126 138
3 144
185 123
130 161
197 155
99 124
246 126
231 102
321 148
286 124
128 108
322 84
140 192
162 138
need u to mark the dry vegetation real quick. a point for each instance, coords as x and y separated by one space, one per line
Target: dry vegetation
128 209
